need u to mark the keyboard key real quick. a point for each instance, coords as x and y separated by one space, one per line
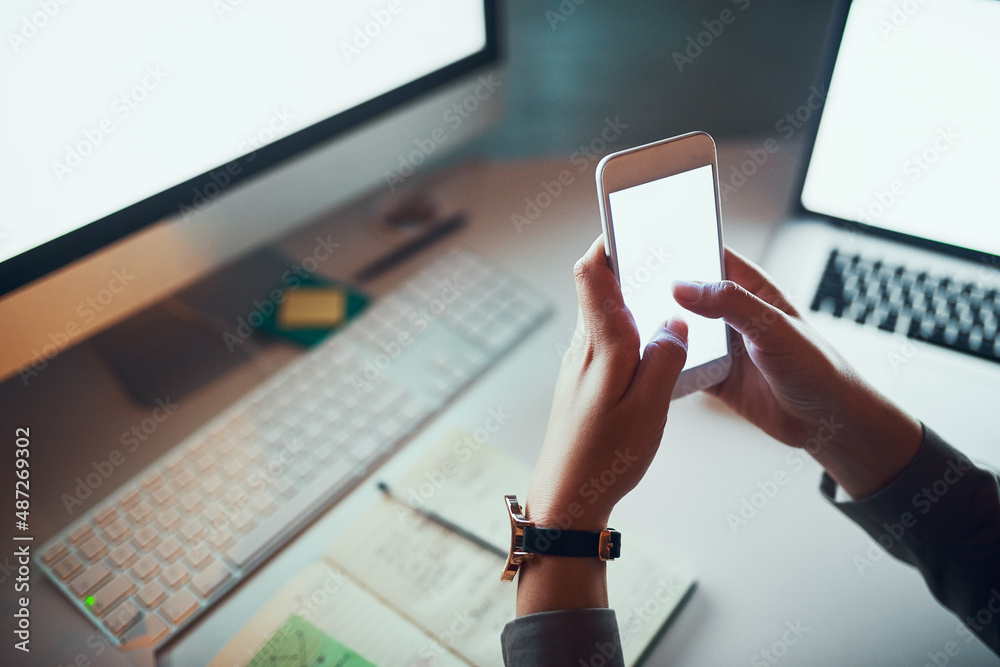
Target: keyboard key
175 575
122 618
81 534
122 556
234 498
221 539
140 513
975 339
214 515
67 568
213 485
92 577
198 557
164 496
207 464
130 499
118 531
192 530
145 568
244 521
208 581
54 553
106 515
169 549
151 594
169 519
146 538
93 548
179 607
112 593
185 479
190 503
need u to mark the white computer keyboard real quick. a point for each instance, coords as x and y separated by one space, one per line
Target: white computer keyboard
162 549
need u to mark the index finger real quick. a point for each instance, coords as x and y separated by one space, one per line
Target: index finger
742 271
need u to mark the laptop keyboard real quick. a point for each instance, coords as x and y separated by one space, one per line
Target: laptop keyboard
937 309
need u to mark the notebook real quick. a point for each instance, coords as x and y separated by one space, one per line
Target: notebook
396 588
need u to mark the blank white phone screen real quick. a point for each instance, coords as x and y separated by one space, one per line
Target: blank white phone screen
667 230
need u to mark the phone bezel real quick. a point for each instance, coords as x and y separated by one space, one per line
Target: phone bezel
651 162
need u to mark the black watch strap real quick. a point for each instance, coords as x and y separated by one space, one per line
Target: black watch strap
576 543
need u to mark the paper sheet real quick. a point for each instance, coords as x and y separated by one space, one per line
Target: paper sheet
334 604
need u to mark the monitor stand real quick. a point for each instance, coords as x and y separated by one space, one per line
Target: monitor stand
180 344
186 341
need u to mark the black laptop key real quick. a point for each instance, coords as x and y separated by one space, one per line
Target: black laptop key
889 323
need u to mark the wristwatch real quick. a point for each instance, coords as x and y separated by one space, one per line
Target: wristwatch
527 540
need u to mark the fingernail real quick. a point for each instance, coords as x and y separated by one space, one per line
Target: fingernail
688 291
678 326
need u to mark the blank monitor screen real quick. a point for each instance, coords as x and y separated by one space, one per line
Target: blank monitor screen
909 138
110 102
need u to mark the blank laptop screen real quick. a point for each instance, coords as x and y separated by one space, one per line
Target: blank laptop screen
909 140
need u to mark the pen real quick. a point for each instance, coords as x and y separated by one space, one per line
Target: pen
444 523
383 264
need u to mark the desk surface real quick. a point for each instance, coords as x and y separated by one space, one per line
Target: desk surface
795 564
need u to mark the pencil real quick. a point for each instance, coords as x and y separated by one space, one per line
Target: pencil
444 523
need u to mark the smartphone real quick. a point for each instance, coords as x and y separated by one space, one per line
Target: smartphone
661 216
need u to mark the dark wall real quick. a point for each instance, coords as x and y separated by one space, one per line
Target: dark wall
569 66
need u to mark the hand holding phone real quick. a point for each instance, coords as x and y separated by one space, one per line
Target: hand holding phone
661 216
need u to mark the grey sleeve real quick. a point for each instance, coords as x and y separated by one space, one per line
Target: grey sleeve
563 638
942 515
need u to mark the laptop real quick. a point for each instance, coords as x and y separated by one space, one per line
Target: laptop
894 251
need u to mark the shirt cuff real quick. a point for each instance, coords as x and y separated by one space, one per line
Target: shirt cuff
567 638
918 507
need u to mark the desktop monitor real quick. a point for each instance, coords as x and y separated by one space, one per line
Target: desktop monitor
145 146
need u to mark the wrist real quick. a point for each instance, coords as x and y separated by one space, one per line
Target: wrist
552 583
877 442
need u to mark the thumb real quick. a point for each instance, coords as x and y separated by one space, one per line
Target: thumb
767 327
661 364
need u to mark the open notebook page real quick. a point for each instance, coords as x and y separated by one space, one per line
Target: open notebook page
465 483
